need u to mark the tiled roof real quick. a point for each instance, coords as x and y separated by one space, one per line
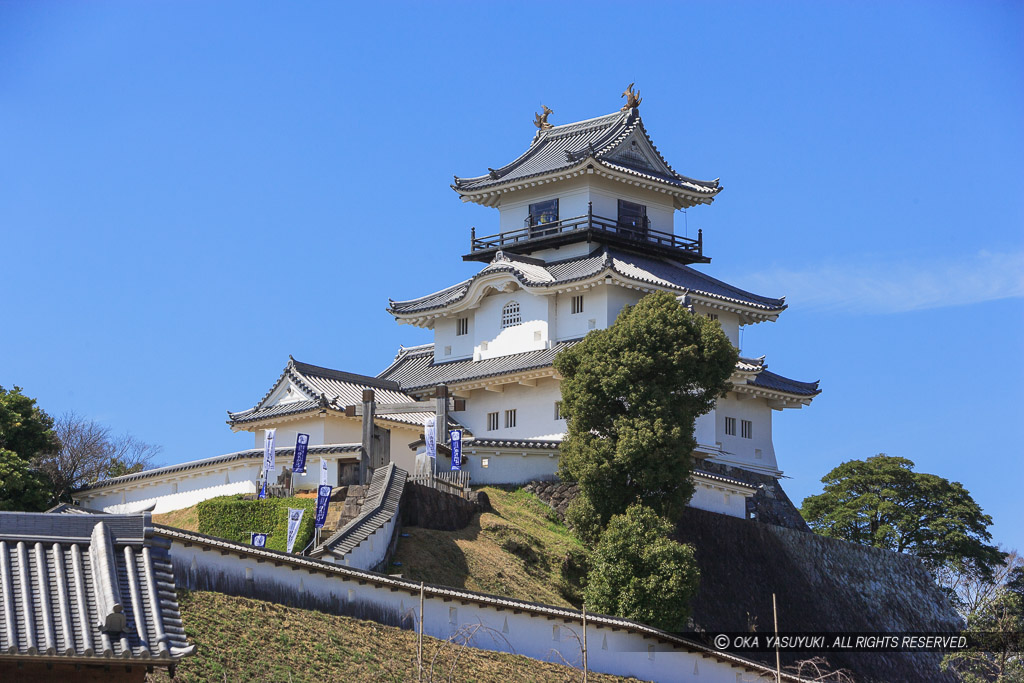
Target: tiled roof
251 453
337 389
87 589
700 473
635 267
380 505
543 444
569 145
415 368
770 380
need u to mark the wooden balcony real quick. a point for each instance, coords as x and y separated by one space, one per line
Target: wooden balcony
588 228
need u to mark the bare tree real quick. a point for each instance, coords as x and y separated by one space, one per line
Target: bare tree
90 452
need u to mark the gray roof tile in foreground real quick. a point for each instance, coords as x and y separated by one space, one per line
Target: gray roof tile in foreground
87 588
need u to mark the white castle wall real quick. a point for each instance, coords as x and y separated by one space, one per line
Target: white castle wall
738 449
534 406
551 635
573 196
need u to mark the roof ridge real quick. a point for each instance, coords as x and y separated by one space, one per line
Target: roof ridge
351 377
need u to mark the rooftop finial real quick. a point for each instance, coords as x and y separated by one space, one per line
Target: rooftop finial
633 99
541 120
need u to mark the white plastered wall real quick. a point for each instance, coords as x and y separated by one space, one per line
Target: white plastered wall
722 499
530 335
738 449
573 197
534 406
620 652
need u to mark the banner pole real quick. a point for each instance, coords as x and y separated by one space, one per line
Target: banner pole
584 642
419 642
778 663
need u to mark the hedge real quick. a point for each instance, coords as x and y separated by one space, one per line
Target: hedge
232 518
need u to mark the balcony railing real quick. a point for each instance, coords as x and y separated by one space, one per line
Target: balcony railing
564 230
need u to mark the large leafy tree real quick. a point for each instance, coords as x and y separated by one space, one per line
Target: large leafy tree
638 572
25 429
26 433
630 394
883 502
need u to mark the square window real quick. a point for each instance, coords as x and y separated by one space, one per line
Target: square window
492 421
485 462
746 429
632 216
577 304
510 418
543 212
461 327
712 316
558 410
730 426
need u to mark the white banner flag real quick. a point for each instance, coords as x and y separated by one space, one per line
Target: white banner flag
294 520
268 450
323 472
430 435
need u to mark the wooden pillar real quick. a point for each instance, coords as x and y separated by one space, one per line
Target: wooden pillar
441 410
369 408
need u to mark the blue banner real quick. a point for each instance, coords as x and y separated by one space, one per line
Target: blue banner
263 490
301 446
323 497
258 540
456 435
430 435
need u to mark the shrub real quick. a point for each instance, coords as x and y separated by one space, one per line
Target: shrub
233 518
638 572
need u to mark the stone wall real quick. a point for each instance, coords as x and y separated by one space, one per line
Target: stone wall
770 504
430 508
555 493
821 584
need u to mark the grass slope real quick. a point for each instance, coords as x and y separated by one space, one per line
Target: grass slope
519 551
187 519
244 639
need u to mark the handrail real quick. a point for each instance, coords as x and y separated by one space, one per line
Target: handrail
586 222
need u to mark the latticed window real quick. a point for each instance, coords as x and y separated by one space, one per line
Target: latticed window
730 426
461 327
510 418
492 421
577 304
747 429
510 315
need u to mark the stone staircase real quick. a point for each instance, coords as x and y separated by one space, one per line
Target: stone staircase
346 502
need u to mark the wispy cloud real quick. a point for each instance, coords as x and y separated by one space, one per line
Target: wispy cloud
897 286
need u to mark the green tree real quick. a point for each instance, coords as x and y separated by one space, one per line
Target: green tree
883 502
22 488
24 428
26 433
637 572
630 394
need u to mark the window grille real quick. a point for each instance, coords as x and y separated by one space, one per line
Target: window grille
461 327
510 418
510 315
577 304
730 426
712 316
492 421
746 429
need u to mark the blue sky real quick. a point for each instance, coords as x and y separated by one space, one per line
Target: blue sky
189 192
